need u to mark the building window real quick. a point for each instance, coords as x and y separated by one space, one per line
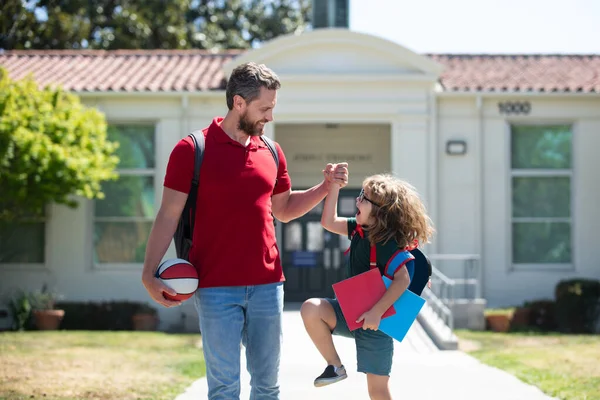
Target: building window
23 242
123 219
541 163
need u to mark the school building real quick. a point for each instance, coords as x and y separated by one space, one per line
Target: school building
503 149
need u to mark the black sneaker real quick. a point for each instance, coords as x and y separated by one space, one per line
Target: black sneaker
331 375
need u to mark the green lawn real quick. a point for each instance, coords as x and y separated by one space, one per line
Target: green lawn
563 366
97 365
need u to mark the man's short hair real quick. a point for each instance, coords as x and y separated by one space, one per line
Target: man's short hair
246 81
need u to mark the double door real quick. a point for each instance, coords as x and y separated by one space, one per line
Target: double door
313 258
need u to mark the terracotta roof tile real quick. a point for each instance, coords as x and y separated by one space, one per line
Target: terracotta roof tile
199 70
121 70
520 73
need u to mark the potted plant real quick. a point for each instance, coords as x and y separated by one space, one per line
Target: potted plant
498 320
145 318
45 315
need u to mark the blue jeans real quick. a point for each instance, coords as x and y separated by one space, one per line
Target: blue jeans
248 315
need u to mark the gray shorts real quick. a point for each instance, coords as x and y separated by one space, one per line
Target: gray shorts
374 349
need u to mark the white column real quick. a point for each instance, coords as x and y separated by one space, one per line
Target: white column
396 147
433 164
410 153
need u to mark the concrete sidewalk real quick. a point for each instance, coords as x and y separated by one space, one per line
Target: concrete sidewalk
420 371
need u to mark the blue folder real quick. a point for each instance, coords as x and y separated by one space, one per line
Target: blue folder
407 308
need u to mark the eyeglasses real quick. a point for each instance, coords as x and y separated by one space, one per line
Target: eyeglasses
362 197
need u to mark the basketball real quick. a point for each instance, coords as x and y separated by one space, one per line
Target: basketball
179 275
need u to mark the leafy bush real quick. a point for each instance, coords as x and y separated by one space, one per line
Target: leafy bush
51 148
542 314
577 305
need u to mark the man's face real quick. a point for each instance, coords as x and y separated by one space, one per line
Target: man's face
257 113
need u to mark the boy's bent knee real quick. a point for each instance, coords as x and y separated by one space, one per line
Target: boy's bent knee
315 309
310 308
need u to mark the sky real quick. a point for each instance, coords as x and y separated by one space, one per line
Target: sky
483 26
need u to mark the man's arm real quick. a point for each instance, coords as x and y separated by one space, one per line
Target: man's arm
290 205
160 237
293 204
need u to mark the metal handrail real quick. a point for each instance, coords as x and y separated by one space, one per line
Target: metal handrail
439 308
442 286
472 276
441 296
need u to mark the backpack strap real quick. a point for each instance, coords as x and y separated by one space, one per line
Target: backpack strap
373 258
357 231
273 149
198 139
396 261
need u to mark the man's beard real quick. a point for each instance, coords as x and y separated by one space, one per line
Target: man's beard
249 127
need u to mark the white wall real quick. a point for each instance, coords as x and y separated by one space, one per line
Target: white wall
460 192
457 183
403 105
366 147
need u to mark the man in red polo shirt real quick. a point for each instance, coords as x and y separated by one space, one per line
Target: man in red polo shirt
240 299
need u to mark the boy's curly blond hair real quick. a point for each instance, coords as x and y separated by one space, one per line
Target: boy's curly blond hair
401 216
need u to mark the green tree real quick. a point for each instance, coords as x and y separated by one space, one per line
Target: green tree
99 24
18 25
240 24
151 24
52 148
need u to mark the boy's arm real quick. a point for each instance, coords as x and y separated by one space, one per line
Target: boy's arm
372 318
329 218
393 293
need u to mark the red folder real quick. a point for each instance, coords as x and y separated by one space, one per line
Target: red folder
359 294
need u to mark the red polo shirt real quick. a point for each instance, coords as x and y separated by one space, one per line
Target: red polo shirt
234 236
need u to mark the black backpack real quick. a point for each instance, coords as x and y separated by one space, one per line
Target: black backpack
421 268
185 228
422 272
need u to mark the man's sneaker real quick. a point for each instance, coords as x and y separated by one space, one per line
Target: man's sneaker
331 375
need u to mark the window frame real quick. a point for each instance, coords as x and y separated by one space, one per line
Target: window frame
137 172
536 173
